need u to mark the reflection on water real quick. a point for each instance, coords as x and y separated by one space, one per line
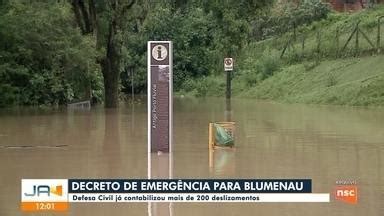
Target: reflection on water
160 166
111 142
222 162
228 110
324 143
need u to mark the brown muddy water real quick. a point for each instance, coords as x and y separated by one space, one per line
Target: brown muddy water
324 143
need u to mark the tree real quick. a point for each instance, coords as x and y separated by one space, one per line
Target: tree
107 20
44 58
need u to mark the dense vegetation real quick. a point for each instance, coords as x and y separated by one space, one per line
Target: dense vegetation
57 52
41 63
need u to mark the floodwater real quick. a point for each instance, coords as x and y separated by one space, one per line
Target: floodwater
324 143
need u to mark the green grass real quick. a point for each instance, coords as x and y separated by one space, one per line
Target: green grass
355 81
331 76
306 75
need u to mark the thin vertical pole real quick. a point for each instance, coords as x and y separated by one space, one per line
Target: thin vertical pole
337 41
379 33
318 41
357 40
132 87
228 97
228 92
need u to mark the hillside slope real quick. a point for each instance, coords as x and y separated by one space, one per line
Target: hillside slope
354 81
325 62
320 65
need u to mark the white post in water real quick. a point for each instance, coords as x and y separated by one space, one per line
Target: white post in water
160 92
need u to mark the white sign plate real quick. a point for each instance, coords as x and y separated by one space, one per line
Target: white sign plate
228 64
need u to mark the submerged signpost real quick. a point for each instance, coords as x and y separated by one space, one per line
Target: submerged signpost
160 112
160 96
228 68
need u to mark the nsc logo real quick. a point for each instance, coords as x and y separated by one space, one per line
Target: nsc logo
346 191
44 194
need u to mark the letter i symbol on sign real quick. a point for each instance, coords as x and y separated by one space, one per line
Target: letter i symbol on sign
159 52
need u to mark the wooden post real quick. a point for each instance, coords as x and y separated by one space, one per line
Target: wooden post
318 41
211 160
284 49
379 33
210 137
357 39
337 41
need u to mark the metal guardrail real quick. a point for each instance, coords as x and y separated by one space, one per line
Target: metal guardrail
80 105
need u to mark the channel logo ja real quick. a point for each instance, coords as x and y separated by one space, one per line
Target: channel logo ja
46 190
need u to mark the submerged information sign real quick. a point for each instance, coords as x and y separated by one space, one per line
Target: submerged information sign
160 96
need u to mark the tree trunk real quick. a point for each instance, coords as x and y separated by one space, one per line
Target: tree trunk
110 66
111 84
79 20
86 18
87 21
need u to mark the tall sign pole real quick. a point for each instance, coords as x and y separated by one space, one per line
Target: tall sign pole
228 68
160 117
160 92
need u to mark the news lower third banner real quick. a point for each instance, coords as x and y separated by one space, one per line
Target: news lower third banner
56 194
